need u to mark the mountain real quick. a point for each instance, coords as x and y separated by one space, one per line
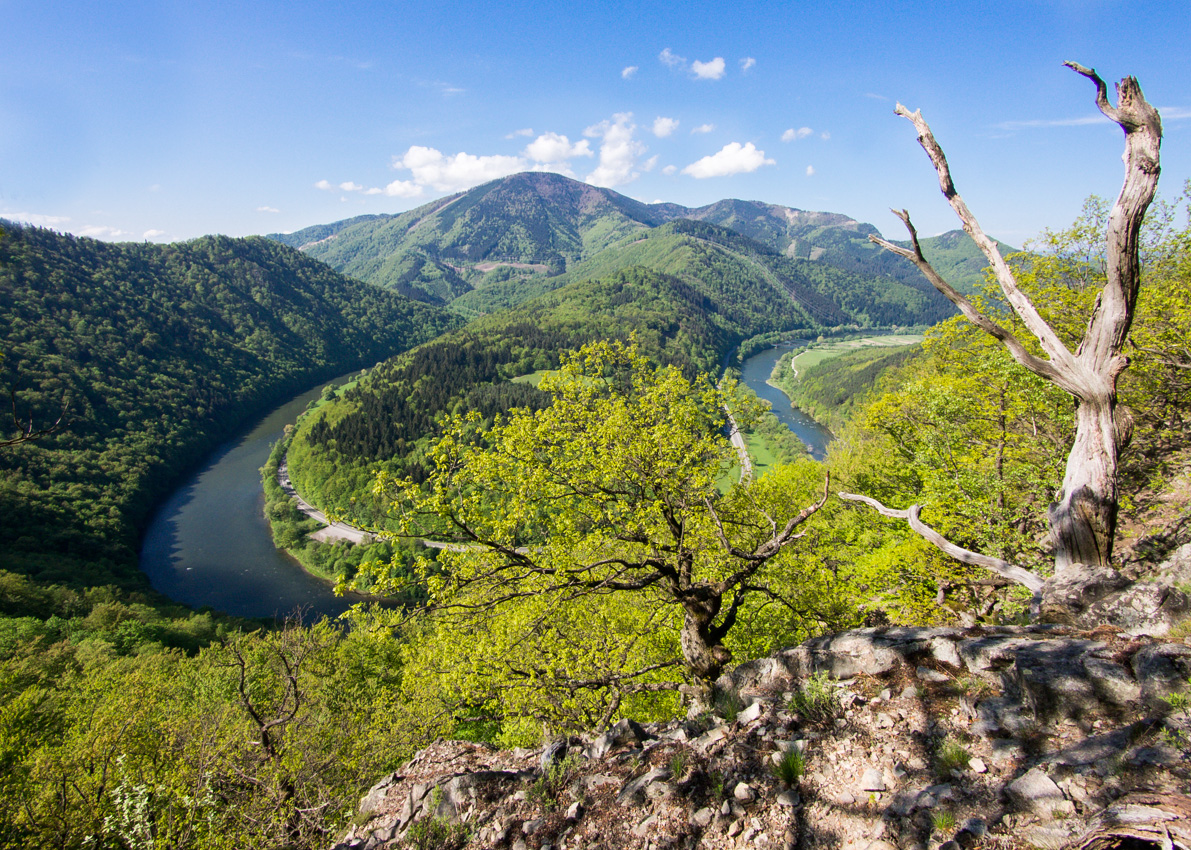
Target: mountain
520 231
156 353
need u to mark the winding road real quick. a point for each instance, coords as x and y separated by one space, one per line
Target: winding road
332 530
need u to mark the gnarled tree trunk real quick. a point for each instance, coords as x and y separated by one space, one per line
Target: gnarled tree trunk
1083 517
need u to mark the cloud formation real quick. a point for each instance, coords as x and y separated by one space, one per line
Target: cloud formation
712 70
152 234
268 209
733 158
793 135
810 171
628 72
37 219
553 151
702 128
663 127
619 151
671 59
453 173
524 131
620 155
747 64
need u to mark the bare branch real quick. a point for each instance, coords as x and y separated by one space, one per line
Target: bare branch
1113 315
1014 573
1018 351
1059 356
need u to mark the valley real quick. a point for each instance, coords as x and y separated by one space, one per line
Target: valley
542 389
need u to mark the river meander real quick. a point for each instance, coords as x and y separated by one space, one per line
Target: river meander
755 372
209 543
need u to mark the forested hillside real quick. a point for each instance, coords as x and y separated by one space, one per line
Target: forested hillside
151 354
506 241
392 412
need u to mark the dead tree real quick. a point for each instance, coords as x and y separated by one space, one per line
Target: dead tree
1083 518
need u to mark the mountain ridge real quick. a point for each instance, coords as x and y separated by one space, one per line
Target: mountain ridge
444 249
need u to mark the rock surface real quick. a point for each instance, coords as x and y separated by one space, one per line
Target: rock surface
942 738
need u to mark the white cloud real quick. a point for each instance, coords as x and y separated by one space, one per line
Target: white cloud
825 136
325 185
731 159
553 151
102 231
670 169
554 147
268 209
524 132
702 128
810 171
402 189
152 234
460 171
1173 113
712 70
747 64
619 151
37 219
629 72
663 127
650 163
349 186
793 135
671 60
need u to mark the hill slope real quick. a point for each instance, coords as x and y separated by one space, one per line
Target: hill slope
520 229
157 352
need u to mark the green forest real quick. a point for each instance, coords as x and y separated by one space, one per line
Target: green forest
593 511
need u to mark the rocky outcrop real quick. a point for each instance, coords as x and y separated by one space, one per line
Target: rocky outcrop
867 740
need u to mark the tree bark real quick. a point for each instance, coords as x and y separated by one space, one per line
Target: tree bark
1083 517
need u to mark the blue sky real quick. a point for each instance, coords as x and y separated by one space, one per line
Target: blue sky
168 120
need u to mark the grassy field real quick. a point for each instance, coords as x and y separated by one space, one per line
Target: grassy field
825 351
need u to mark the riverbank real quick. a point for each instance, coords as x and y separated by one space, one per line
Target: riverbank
332 529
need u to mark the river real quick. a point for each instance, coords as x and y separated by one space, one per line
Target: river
755 372
209 543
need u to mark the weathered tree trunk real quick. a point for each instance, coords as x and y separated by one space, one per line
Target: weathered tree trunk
1083 518
703 652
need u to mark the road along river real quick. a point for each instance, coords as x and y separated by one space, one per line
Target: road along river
209 543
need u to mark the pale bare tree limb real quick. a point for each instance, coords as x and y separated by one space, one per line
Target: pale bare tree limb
1058 354
1012 572
1020 353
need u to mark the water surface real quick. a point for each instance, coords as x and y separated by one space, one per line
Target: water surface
209 543
755 372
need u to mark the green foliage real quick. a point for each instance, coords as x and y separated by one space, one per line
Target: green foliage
157 352
790 767
551 601
263 741
816 700
942 820
728 705
951 755
833 389
546 791
436 833
680 760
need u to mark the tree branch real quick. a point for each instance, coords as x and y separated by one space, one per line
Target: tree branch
1014 573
